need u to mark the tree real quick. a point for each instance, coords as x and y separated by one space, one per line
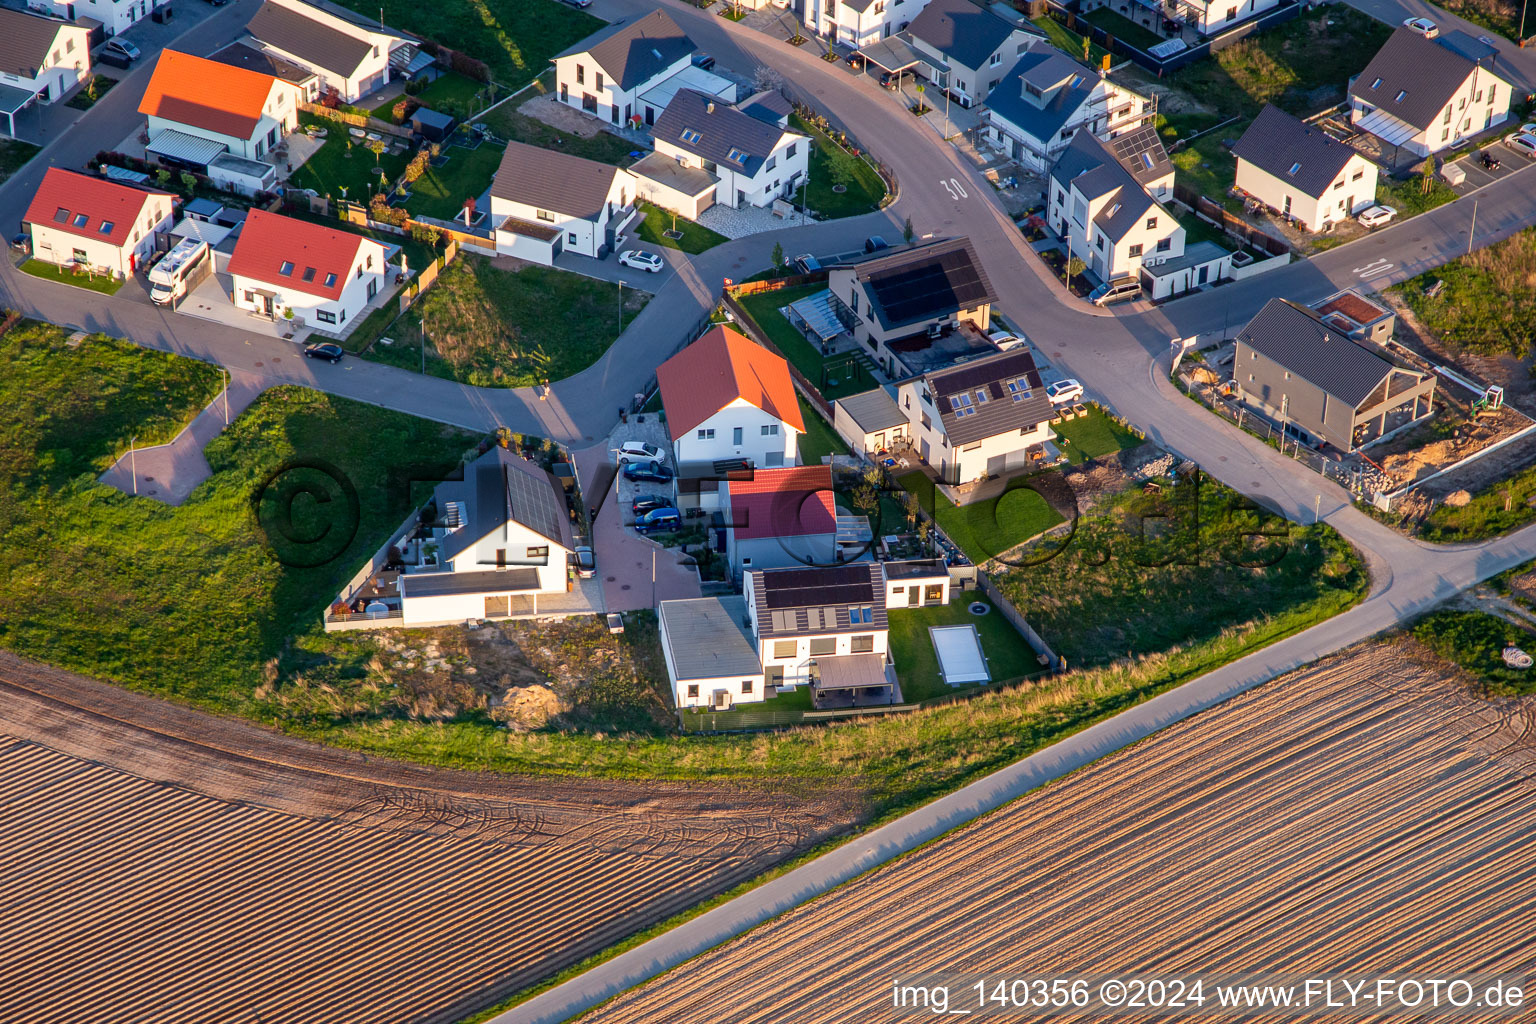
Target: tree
841 174
1075 267
866 493
766 79
778 256
163 176
188 180
907 234
909 508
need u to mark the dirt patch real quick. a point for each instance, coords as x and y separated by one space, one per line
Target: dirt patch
1365 809
548 109
1512 373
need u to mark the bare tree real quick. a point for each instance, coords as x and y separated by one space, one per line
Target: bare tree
766 78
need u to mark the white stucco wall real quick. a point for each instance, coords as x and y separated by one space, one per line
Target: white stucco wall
1480 103
55 246
577 76
779 448
578 234
1354 188
354 294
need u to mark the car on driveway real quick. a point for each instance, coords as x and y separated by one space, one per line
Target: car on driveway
121 48
1062 391
1115 291
647 471
643 503
807 264
21 243
632 451
641 260
585 562
658 519
1423 26
329 351
1522 143
1376 216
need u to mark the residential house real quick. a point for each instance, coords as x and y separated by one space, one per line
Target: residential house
115 16
324 276
857 23
776 518
1047 97
606 73
266 62
1206 17
754 161
1424 95
1107 217
985 417
92 222
710 652
41 62
1301 171
870 421
968 49
1321 387
730 404
344 53
200 108
896 303
545 202
824 627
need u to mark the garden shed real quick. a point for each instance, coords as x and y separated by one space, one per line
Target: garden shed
432 125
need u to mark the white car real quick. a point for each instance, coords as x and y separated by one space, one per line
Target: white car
1062 391
641 260
1376 216
639 451
1423 26
1522 143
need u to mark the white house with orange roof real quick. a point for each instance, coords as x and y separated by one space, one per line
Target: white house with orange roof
81 220
199 109
780 517
324 276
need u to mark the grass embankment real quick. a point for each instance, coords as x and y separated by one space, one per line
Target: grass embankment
1475 640
986 529
1009 657
654 223
1092 436
502 328
1486 304
1410 198
836 376
833 166
1497 508
106 284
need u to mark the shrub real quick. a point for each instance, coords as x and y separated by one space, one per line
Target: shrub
469 67
402 111
380 210
417 167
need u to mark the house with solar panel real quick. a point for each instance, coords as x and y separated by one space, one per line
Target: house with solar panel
985 417
918 308
1047 99
1425 95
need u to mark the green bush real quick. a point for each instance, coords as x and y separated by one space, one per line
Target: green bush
1475 641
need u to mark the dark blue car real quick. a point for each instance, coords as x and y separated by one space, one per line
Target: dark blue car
658 519
647 471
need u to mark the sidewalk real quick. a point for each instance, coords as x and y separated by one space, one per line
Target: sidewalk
170 472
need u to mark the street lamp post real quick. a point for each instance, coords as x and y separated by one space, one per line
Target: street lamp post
1472 230
133 463
227 382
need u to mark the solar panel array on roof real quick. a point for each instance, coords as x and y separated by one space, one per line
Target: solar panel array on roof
533 502
803 588
947 282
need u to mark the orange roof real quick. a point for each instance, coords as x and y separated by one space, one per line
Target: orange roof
185 89
793 501
719 368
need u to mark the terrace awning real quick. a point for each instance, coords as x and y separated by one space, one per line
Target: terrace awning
1386 127
850 672
815 312
188 149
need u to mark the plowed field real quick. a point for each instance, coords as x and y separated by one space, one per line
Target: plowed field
161 865
1364 815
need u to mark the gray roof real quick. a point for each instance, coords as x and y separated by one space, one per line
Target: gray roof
498 488
896 53
707 638
768 105
962 31
242 56
432 118
873 410
1005 410
1413 78
1469 47
722 130
1293 151
1297 339
665 170
314 42
816 601
1089 165
1043 68
1140 151
917 284
25 41
551 180
489 581
635 51
1194 256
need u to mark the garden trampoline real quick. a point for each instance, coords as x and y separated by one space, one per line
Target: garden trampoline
960 656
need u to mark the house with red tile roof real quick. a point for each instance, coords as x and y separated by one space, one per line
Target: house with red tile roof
730 404
780 517
199 109
79 219
325 276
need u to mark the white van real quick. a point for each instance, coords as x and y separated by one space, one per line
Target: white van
168 278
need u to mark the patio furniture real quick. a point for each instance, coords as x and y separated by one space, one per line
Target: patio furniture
357 133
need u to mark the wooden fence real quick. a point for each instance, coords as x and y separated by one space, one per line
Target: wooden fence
1230 222
366 121
425 277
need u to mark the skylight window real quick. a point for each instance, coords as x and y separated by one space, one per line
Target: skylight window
107 226
1401 96
330 280
961 404
81 220
1376 84
1146 161
736 155
1019 389
309 274
1294 169
286 269
690 136
61 217
982 398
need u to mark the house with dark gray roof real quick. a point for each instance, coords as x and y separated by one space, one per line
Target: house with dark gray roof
1300 171
1047 97
42 59
1311 379
753 161
983 417
251 57
352 58
967 48
824 627
544 202
1424 95
858 23
606 73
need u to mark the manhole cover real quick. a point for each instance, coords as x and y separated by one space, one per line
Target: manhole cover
1221 458
149 479
613 579
980 608
260 363
624 586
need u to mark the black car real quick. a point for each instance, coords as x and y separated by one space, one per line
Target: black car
645 502
329 351
647 471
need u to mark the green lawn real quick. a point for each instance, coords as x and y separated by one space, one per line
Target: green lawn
696 237
1123 29
837 382
441 191
831 166
1069 42
819 438
499 328
1409 197
452 94
1475 640
515 38
1486 304
986 529
1009 656
1205 164
86 96
343 163
1093 435
104 283
14 153
1497 508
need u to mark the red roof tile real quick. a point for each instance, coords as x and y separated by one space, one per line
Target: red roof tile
269 241
206 94
66 196
716 370
795 501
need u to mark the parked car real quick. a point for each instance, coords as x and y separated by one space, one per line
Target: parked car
659 519
21 243
874 243
1529 128
1062 391
122 48
586 563
1522 143
643 503
703 61
112 59
1115 291
647 471
579 3
1376 216
1423 26
630 451
640 260
329 351
807 264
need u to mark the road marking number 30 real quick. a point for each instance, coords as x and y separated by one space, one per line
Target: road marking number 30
954 188
1374 269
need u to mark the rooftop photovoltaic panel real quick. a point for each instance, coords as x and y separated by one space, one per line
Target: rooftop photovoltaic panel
832 586
946 281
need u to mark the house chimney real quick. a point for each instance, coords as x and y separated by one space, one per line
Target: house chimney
709 108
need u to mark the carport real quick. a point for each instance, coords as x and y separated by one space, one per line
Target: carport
12 102
896 57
